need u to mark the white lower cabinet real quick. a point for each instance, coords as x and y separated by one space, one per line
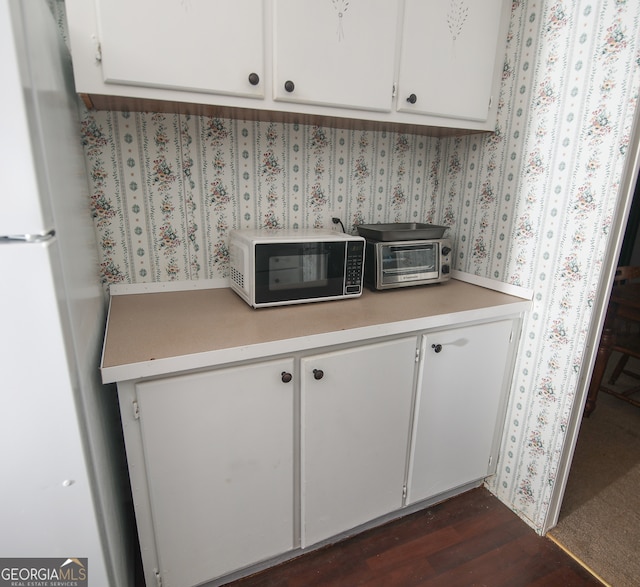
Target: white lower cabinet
356 417
241 464
219 456
462 391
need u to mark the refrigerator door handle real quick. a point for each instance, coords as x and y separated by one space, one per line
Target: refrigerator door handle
27 238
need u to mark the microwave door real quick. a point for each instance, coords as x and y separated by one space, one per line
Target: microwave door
298 271
305 270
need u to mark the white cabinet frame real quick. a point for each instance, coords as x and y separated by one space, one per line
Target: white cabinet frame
299 363
265 100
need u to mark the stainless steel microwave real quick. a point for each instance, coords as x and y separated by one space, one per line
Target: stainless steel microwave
405 263
274 267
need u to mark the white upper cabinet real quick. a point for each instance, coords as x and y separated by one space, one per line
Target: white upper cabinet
335 52
450 57
430 64
201 45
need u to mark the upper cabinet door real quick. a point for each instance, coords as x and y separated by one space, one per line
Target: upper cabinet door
335 52
449 57
201 45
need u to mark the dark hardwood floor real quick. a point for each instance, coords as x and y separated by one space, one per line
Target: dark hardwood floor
472 539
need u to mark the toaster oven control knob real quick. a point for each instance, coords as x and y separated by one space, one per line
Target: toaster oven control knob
445 269
286 377
289 86
436 347
446 250
254 79
412 99
318 373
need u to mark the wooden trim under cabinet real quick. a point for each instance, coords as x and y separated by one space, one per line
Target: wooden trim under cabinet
122 104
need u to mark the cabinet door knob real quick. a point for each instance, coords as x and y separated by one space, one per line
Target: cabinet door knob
289 86
318 373
436 347
286 377
412 99
254 79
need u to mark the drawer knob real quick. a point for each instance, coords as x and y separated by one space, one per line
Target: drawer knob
254 79
436 347
412 99
318 373
286 377
289 86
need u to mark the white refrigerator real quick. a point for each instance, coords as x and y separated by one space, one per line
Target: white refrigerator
62 485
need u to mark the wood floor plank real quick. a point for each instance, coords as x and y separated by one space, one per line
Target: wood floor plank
564 577
405 551
475 545
472 539
511 565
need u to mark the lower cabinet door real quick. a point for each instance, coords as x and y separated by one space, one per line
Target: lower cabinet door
219 452
356 409
459 406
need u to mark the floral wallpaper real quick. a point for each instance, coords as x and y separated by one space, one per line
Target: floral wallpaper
529 204
167 189
570 88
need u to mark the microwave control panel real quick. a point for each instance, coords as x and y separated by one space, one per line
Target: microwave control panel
354 267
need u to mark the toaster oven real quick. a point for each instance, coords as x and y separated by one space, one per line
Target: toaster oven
405 263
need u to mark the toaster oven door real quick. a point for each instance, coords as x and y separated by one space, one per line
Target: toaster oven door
407 261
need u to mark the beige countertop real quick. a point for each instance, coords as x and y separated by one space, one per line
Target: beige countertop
161 333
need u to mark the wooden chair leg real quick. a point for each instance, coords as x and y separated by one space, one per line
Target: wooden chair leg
619 368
